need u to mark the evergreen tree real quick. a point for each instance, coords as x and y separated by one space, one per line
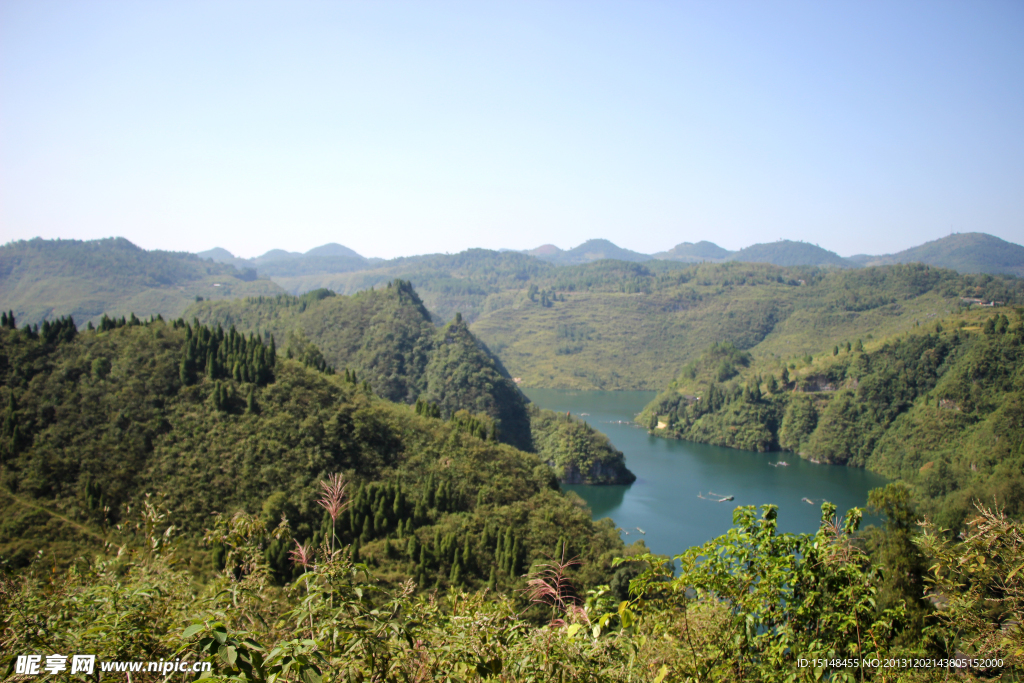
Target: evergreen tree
412 548
455 577
424 561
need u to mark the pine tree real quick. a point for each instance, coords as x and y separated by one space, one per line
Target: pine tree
412 548
10 425
399 506
424 557
455 577
516 559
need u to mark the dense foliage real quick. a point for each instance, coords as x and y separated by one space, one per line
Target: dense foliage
107 421
752 605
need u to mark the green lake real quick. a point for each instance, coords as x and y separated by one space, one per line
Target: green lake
664 507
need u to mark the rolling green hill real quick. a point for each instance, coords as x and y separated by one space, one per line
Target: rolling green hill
46 279
970 252
612 325
789 253
695 253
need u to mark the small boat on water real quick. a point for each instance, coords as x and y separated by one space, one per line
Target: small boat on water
716 497
808 501
641 530
781 463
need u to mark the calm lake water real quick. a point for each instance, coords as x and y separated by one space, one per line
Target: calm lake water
670 475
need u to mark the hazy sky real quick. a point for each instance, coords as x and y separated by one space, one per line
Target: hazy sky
415 127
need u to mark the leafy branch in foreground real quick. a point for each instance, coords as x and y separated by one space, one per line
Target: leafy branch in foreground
979 582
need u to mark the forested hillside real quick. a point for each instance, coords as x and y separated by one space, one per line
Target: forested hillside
202 423
940 407
387 338
46 279
615 325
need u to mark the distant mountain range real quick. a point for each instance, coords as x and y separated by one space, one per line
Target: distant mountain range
589 251
971 252
329 258
44 279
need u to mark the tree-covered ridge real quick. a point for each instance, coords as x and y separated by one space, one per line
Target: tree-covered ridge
45 279
939 408
578 453
103 423
386 337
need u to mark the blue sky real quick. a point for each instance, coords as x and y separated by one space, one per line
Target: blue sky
399 128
